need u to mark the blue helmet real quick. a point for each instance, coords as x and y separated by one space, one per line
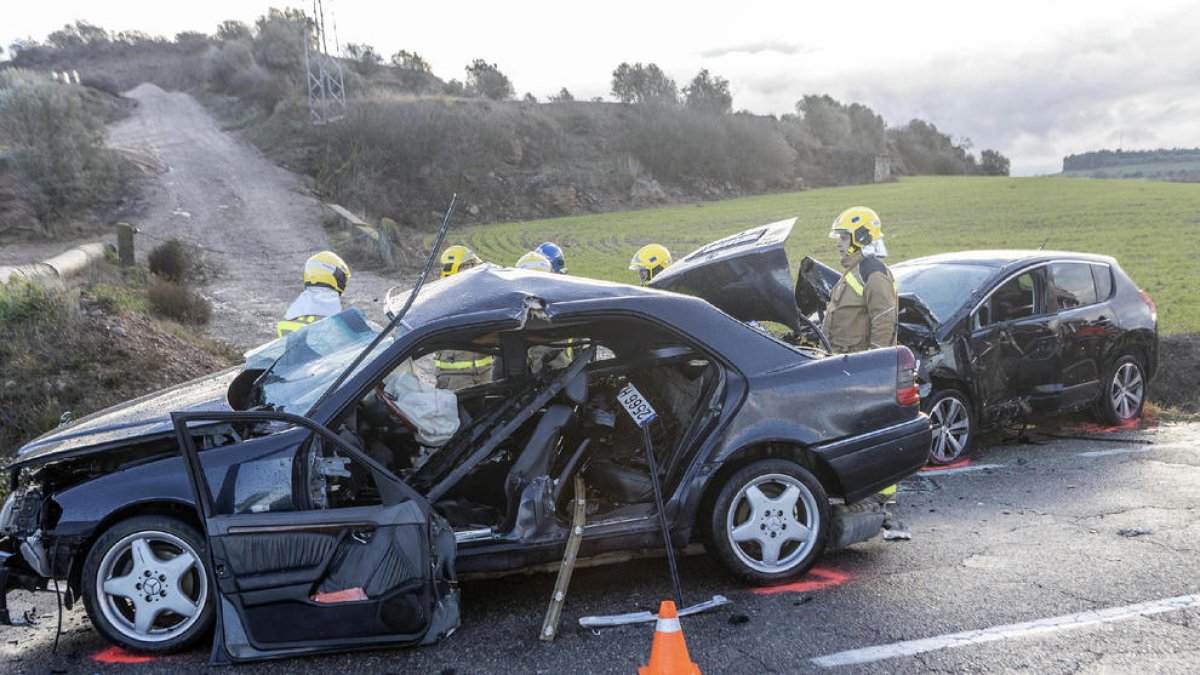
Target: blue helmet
555 255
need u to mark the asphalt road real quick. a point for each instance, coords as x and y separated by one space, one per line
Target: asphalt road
1060 558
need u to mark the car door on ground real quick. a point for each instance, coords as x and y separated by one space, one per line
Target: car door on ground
314 547
1014 349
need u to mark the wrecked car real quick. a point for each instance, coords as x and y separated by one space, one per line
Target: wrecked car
1001 337
322 522
1005 337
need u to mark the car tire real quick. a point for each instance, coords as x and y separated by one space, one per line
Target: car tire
953 421
146 585
1124 392
769 521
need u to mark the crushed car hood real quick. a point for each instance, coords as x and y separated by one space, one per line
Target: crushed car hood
145 416
746 275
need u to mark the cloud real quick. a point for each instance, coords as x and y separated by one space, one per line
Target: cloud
754 48
1081 91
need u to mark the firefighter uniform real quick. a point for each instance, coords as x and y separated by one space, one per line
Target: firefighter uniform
456 368
861 313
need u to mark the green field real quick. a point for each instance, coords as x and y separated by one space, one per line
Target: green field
1150 227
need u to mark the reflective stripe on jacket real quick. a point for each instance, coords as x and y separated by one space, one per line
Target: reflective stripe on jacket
285 326
861 313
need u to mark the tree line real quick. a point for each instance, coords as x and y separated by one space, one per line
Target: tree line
1103 159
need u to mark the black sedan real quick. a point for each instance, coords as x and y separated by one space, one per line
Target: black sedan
312 512
1008 336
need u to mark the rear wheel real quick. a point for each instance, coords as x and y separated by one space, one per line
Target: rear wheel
953 425
145 585
770 521
1124 392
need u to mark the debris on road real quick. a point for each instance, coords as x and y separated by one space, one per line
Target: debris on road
1133 532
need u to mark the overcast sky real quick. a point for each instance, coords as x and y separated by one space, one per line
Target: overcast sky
1035 80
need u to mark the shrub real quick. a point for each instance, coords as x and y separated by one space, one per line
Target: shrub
57 146
179 302
223 63
22 302
172 260
102 82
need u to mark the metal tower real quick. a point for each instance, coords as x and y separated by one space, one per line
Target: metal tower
326 87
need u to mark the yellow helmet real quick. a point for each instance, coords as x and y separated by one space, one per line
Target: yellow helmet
327 269
458 258
649 261
861 223
535 261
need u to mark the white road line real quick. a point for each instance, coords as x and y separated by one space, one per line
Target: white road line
1015 630
1119 451
961 469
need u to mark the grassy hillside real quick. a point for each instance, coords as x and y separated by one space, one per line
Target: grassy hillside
1149 227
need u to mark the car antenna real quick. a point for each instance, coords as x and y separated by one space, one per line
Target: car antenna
437 246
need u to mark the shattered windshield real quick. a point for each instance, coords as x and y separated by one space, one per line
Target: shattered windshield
943 287
300 365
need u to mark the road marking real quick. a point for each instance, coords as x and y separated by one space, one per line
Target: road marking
945 467
115 654
1015 630
962 469
824 579
1118 451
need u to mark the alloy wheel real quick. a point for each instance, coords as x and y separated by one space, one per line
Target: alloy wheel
151 586
772 522
951 423
1126 390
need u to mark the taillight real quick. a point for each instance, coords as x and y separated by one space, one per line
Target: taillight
1149 303
907 391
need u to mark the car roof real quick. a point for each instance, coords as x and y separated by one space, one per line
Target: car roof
505 293
998 258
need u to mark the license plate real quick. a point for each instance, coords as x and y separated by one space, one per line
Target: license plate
636 405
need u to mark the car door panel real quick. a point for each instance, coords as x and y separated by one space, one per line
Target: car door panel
325 563
1014 350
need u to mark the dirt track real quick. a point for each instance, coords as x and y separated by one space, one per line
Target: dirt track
253 220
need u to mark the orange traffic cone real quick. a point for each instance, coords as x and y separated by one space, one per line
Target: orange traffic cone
668 655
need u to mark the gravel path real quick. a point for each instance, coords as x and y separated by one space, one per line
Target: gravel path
254 221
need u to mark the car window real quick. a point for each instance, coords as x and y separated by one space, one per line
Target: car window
1015 299
943 288
287 471
1071 285
1102 275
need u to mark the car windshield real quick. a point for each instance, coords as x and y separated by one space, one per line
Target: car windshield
301 365
943 287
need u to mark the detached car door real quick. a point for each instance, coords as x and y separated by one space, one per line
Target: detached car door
312 546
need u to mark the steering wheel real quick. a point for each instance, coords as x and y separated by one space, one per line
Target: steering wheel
391 406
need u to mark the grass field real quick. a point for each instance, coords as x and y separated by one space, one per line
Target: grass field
1150 227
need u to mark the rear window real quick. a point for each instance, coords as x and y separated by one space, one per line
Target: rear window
944 288
1071 285
1102 275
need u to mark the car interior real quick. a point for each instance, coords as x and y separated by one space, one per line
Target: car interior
522 438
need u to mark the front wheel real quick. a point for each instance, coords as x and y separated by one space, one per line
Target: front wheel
953 425
1124 392
770 521
145 585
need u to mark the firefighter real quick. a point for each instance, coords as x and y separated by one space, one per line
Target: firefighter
325 278
458 368
649 261
554 254
861 313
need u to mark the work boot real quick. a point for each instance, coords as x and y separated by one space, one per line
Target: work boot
894 530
